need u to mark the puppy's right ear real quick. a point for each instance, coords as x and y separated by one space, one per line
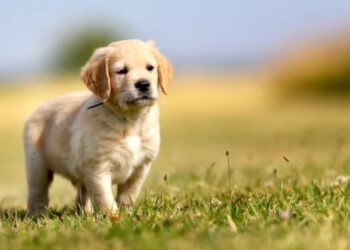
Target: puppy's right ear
95 73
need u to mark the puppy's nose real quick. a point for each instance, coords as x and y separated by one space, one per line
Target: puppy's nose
142 85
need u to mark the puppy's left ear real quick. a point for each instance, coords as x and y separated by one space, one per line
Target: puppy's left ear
95 73
164 69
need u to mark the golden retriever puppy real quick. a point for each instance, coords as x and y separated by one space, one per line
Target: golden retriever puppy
109 136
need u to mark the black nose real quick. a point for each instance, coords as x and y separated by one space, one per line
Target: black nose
142 85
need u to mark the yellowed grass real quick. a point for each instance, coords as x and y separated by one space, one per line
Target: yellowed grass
201 118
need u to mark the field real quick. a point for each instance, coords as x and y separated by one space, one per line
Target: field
238 168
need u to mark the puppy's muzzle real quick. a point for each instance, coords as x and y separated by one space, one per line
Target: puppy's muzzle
142 86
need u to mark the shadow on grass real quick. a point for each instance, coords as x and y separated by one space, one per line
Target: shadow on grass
7 214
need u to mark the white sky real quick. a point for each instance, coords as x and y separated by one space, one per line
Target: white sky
184 30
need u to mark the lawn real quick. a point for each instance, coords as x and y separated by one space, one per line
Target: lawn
238 168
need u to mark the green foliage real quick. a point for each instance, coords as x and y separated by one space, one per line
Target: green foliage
73 52
319 71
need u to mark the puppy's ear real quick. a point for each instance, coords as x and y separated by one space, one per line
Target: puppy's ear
164 69
95 73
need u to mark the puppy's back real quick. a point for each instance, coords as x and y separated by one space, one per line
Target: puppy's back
48 128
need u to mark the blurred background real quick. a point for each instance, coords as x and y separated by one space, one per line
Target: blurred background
269 81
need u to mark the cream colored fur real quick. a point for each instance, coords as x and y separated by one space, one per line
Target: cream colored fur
114 143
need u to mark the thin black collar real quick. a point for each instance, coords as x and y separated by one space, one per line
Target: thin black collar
95 105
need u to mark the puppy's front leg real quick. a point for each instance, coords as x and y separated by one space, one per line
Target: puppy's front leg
99 188
129 191
83 202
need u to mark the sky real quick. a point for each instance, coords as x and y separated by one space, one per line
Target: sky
197 31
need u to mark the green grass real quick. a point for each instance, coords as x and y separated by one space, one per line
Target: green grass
286 215
288 186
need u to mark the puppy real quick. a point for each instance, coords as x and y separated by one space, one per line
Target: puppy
109 136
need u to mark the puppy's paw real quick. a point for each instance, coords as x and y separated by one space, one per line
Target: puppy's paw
125 200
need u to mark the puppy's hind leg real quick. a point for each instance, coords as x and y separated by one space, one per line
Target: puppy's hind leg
39 178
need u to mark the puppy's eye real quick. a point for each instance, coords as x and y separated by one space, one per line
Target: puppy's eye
150 67
122 71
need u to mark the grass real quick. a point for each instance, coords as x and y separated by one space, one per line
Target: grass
286 216
285 185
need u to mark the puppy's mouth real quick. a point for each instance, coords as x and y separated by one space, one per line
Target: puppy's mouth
144 100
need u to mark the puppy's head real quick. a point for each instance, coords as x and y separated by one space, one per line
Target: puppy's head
127 73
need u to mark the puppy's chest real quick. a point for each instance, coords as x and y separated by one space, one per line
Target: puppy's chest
132 150
128 153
